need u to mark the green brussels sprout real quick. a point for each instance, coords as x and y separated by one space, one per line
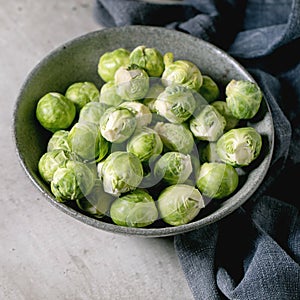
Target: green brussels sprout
72 181
209 89
181 72
222 108
97 203
145 143
117 124
111 61
141 112
239 146
132 83
176 104
243 98
81 93
59 140
54 111
175 137
217 180
50 161
168 58
179 204
208 152
86 141
135 209
108 94
149 59
208 124
92 112
174 167
121 172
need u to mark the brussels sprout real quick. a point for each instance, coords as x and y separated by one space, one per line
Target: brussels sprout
145 144
222 108
168 58
132 83
121 172
86 141
239 146
54 111
50 161
72 181
217 180
208 152
141 112
149 59
92 112
81 93
174 167
108 94
175 137
209 89
243 98
59 140
97 202
111 61
117 124
176 104
135 209
182 72
179 204
208 124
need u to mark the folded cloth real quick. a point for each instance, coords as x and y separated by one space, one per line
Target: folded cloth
254 253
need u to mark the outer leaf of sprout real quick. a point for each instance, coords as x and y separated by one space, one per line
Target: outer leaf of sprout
111 61
52 160
72 181
121 172
132 83
217 180
59 140
92 112
182 72
179 204
175 137
149 59
117 124
135 209
108 94
222 108
145 143
209 89
174 167
81 93
176 103
208 124
141 112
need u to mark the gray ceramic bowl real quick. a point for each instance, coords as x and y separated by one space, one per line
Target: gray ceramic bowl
77 60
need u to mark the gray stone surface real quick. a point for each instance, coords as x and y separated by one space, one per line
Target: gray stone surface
44 253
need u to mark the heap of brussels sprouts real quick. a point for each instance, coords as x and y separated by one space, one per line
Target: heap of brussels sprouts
155 142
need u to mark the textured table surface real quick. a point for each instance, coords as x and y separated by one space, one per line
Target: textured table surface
45 254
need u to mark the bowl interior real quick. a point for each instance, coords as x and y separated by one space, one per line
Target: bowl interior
77 60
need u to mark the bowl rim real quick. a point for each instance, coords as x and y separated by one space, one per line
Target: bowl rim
132 231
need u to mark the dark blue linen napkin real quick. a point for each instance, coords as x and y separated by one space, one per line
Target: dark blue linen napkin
254 253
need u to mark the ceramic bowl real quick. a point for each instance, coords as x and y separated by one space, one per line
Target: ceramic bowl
77 60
